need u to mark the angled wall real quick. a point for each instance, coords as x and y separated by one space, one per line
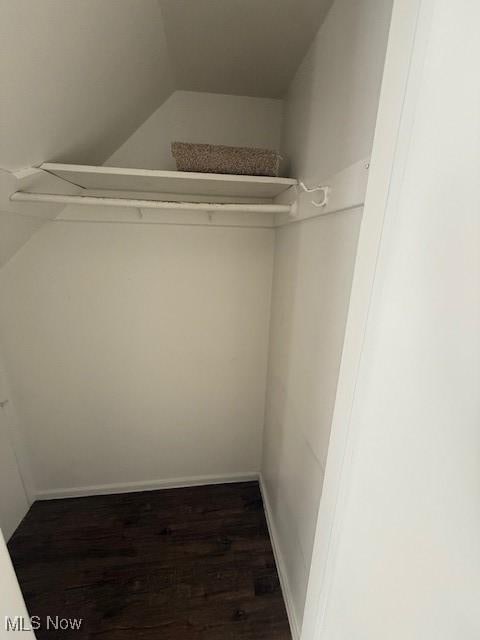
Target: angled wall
78 77
191 116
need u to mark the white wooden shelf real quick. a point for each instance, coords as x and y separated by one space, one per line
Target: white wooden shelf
174 197
56 185
176 182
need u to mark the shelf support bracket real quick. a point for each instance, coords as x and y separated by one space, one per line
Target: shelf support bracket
325 191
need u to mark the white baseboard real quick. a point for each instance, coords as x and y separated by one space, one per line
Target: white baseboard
148 485
281 568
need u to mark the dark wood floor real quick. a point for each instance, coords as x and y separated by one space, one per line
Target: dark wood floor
175 564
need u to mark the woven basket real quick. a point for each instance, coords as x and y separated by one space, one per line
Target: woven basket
212 158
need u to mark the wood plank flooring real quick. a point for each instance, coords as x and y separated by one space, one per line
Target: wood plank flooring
176 564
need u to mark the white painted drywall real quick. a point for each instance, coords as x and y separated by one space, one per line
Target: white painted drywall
330 117
14 464
13 500
138 353
189 116
245 47
78 77
399 65
15 230
313 268
405 558
332 102
226 280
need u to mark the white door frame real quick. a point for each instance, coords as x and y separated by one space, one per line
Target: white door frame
12 605
406 51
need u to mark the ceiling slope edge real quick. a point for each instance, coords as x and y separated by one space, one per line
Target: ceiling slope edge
75 83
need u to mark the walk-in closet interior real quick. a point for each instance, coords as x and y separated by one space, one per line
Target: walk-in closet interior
170 341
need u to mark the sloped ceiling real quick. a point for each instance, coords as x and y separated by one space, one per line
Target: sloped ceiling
77 77
243 47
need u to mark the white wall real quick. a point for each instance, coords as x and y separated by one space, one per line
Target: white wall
332 102
331 109
404 558
15 481
15 230
78 77
189 116
138 353
313 267
247 48
13 500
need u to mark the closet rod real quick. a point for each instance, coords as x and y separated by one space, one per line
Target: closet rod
20 196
